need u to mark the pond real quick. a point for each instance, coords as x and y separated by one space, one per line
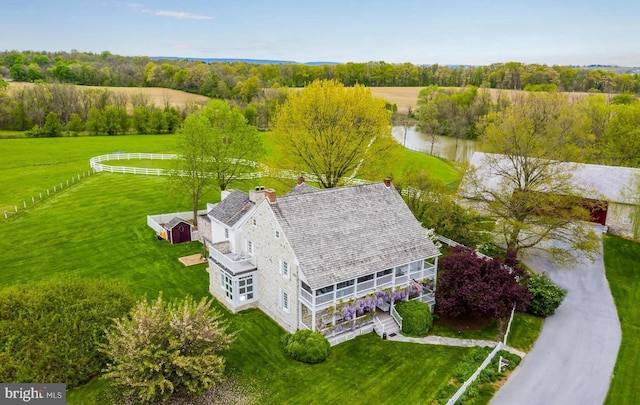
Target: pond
459 150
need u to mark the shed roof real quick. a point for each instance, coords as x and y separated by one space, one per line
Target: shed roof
612 183
342 233
175 222
232 208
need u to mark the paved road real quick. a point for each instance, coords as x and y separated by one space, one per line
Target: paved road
572 360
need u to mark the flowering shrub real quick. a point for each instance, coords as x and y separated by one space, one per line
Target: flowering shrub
307 346
161 349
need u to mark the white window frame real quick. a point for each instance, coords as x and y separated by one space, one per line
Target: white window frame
226 282
284 301
246 291
285 269
250 248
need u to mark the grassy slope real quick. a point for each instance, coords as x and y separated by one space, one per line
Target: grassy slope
622 264
31 166
98 227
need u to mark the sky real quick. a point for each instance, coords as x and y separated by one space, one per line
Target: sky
480 32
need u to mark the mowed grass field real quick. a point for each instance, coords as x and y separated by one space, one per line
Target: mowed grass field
622 262
97 228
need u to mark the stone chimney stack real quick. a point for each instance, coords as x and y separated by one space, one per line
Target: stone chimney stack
257 195
387 182
300 180
270 195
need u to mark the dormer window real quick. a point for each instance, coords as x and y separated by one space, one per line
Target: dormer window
277 234
226 233
254 222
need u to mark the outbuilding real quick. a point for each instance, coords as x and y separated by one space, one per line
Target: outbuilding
177 231
610 192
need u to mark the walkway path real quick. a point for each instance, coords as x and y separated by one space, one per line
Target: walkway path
572 361
447 341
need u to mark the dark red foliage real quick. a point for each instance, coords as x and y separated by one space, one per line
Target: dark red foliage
476 286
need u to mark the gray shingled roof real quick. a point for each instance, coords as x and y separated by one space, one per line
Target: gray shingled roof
174 222
301 189
613 183
232 208
342 233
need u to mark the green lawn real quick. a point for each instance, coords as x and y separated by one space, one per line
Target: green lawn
489 332
31 166
525 329
622 262
98 227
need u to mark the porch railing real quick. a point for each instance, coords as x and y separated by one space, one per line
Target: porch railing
232 262
396 316
378 326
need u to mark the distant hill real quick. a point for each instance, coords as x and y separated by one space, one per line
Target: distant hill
254 61
613 68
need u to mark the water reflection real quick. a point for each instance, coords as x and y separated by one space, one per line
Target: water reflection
445 147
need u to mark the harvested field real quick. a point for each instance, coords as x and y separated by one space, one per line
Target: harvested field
407 97
158 96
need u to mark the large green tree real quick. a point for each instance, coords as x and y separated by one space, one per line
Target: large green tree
216 147
525 183
332 132
433 204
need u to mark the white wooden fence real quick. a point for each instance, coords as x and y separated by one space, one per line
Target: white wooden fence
27 204
155 221
484 364
263 171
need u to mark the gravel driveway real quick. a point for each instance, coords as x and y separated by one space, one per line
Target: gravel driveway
572 361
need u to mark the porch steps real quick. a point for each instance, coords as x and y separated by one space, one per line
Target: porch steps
389 324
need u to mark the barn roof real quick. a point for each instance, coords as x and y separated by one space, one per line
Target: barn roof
342 233
611 183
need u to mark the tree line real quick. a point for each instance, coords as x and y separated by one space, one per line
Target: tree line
47 109
608 128
242 81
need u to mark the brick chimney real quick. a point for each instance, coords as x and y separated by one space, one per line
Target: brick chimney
300 180
270 195
387 182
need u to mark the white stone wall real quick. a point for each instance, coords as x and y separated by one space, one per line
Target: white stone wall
217 291
204 228
269 252
620 219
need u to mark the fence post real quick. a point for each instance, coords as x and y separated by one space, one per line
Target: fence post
54 189
41 196
47 191
6 216
67 183
33 200
24 203
506 334
15 207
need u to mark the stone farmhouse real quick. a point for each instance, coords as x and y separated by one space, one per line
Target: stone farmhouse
331 260
613 187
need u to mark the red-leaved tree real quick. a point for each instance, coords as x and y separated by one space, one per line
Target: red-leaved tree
476 286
